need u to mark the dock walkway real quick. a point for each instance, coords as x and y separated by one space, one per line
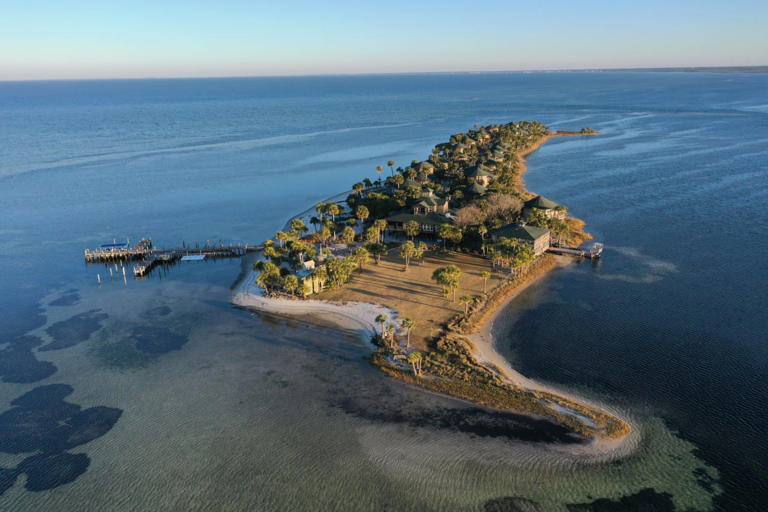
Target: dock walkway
592 253
148 257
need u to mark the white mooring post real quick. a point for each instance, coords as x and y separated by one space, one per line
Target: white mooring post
98 278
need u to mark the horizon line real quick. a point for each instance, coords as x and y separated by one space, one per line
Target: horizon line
758 68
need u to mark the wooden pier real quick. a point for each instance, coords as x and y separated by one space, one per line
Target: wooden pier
147 257
591 253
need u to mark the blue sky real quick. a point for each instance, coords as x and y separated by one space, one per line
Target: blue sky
168 38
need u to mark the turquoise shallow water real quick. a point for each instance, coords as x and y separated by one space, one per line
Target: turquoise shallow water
158 394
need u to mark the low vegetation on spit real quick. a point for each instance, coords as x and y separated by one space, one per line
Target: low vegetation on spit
463 234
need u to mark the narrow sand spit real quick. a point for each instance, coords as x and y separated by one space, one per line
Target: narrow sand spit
485 351
361 316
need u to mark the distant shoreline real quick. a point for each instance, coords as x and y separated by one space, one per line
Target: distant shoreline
758 69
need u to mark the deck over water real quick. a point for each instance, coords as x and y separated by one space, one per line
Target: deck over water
148 257
591 253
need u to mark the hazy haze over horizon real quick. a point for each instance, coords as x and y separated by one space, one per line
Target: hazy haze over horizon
49 40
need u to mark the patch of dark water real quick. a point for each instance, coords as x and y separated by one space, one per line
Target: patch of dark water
41 421
18 363
647 500
393 405
74 330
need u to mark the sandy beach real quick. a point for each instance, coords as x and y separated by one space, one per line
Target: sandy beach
360 316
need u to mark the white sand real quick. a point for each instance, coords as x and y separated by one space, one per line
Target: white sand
355 315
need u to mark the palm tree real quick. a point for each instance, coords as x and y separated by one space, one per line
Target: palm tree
482 231
466 300
412 228
358 188
399 180
415 359
381 319
298 225
320 209
391 335
314 221
391 165
406 251
377 249
282 237
362 256
420 250
269 275
371 234
333 211
444 232
448 277
291 283
485 275
320 275
323 235
362 213
381 226
348 235
408 323
379 169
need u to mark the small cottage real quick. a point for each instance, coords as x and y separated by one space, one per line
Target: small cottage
481 174
536 237
429 203
550 208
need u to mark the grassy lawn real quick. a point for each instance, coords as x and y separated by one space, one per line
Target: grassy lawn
413 293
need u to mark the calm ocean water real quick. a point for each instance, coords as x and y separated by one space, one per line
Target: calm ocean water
158 395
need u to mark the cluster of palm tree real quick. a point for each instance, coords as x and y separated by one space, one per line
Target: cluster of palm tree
411 250
375 232
449 232
376 249
388 339
510 253
272 277
448 278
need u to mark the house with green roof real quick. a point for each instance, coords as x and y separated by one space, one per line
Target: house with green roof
476 189
428 223
410 183
547 206
481 174
536 237
429 202
425 166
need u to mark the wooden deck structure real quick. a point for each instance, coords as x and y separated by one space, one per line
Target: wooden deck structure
147 257
591 253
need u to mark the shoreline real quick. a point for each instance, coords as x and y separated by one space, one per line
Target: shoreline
522 157
361 316
486 352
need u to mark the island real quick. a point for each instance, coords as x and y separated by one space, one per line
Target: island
424 257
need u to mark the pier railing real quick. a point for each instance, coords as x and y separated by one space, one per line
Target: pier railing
148 257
